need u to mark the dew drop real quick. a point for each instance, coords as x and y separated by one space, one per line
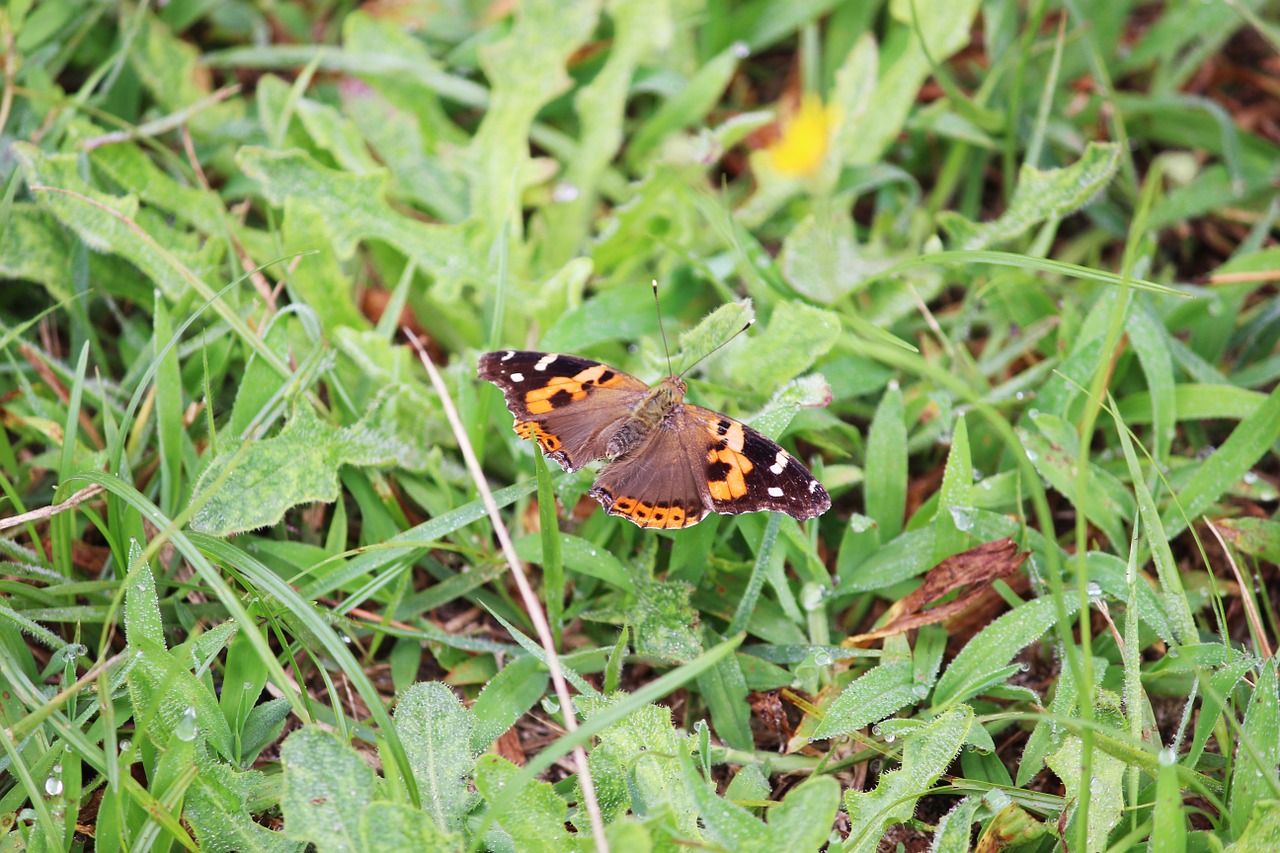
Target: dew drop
186 727
53 786
565 192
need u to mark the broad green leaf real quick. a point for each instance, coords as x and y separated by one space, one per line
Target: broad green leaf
327 787
802 821
534 820
810 390
1195 401
717 329
954 830
128 166
1253 776
168 697
170 70
253 483
525 71
504 699
1149 340
982 660
927 752
108 223
1040 195
217 808
1105 789
436 731
956 494
1105 502
387 827
34 248
353 209
869 698
822 260
798 335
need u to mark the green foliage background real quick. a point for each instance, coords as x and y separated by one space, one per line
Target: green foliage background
1021 289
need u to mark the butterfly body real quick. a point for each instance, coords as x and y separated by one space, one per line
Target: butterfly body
669 462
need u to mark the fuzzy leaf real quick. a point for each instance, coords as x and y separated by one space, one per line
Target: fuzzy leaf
436 731
326 789
1041 195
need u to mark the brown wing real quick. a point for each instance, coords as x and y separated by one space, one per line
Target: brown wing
655 485
564 402
742 471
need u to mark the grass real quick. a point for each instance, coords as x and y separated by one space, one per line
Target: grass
1013 269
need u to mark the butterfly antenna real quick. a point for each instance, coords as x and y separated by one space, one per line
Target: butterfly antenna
658 304
719 346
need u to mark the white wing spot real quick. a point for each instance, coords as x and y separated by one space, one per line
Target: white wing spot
813 485
508 354
517 377
780 462
546 360
775 492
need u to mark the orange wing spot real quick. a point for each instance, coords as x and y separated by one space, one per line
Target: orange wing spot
559 391
727 473
675 517
601 375
532 429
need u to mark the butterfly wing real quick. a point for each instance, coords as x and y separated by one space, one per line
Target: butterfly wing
566 403
742 471
655 484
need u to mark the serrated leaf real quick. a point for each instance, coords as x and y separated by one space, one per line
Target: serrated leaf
436 732
217 808
1106 782
1040 195
252 484
926 753
354 209
665 624
327 787
103 221
869 698
648 747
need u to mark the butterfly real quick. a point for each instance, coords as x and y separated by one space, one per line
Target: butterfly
669 462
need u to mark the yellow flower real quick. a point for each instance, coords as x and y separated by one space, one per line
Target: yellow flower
806 134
